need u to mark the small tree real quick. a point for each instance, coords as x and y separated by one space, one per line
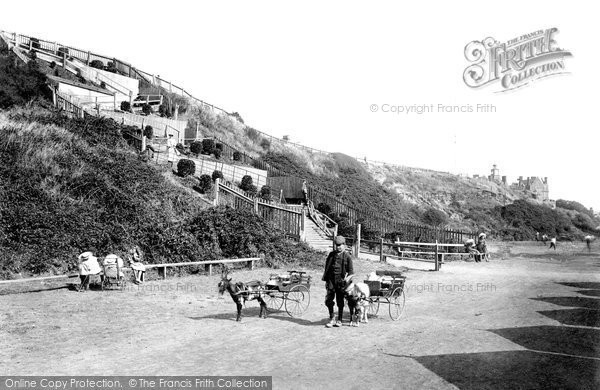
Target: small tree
149 132
125 106
265 192
196 147
217 153
186 167
246 183
146 109
217 175
237 156
208 146
205 184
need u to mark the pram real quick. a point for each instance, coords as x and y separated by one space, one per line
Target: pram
113 272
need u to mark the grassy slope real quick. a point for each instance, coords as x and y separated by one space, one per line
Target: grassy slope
70 185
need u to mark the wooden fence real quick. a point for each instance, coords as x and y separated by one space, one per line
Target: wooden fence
290 221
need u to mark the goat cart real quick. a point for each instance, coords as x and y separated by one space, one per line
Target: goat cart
389 288
291 289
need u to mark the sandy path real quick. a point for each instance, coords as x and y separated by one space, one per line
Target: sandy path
517 322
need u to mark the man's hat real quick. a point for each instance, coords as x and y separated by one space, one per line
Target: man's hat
340 240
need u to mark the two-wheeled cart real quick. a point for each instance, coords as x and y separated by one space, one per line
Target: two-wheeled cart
291 289
388 288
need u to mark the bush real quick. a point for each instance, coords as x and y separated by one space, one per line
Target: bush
435 217
252 133
265 144
324 208
217 153
52 65
246 183
238 117
252 190
265 192
20 84
164 111
208 146
125 106
217 175
205 183
149 132
110 67
237 156
196 147
146 109
186 167
97 64
219 146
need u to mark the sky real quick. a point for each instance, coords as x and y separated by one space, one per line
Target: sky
331 75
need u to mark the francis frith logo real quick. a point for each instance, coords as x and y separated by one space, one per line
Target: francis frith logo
514 63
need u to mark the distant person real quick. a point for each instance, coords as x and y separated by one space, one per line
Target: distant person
88 266
171 144
304 193
544 238
482 247
470 248
135 258
537 236
553 243
588 242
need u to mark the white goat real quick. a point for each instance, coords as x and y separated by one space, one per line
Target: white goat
357 295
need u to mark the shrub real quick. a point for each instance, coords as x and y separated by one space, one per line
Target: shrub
196 147
149 132
237 156
125 106
217 175
208 146
252 190
219 146
164 111
97 64
217 153
434 217
265 192
246 182
265 144
146 109
110 67
186 167
205 183
252 133
324 208
238 117
52 65
19 84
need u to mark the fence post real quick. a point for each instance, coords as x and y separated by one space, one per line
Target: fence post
357 241
302 233
217 183
255 205
437 259
143 143
381 249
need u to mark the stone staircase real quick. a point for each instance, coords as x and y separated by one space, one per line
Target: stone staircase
315 237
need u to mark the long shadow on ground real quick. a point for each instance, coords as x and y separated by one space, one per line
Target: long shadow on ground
583 342
588 303
577 317
255 311
594 285
514 370
589 293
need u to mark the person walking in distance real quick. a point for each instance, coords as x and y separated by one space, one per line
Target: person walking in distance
553 243
304 193
337 266
588 242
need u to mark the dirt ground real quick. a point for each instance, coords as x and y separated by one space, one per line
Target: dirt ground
531 320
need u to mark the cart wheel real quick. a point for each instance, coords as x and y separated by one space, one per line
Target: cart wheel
396 301
274 301
297 300
373 307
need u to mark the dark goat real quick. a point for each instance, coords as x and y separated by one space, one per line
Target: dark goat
242 292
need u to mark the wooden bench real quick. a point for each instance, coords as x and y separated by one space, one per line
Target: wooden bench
162 268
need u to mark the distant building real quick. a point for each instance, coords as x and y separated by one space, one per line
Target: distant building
535 185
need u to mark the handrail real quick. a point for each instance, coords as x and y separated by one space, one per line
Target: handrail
317 217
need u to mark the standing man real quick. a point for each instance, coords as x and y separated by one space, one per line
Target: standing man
171 149
553 243
588 242
544 238
337 266
305 192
